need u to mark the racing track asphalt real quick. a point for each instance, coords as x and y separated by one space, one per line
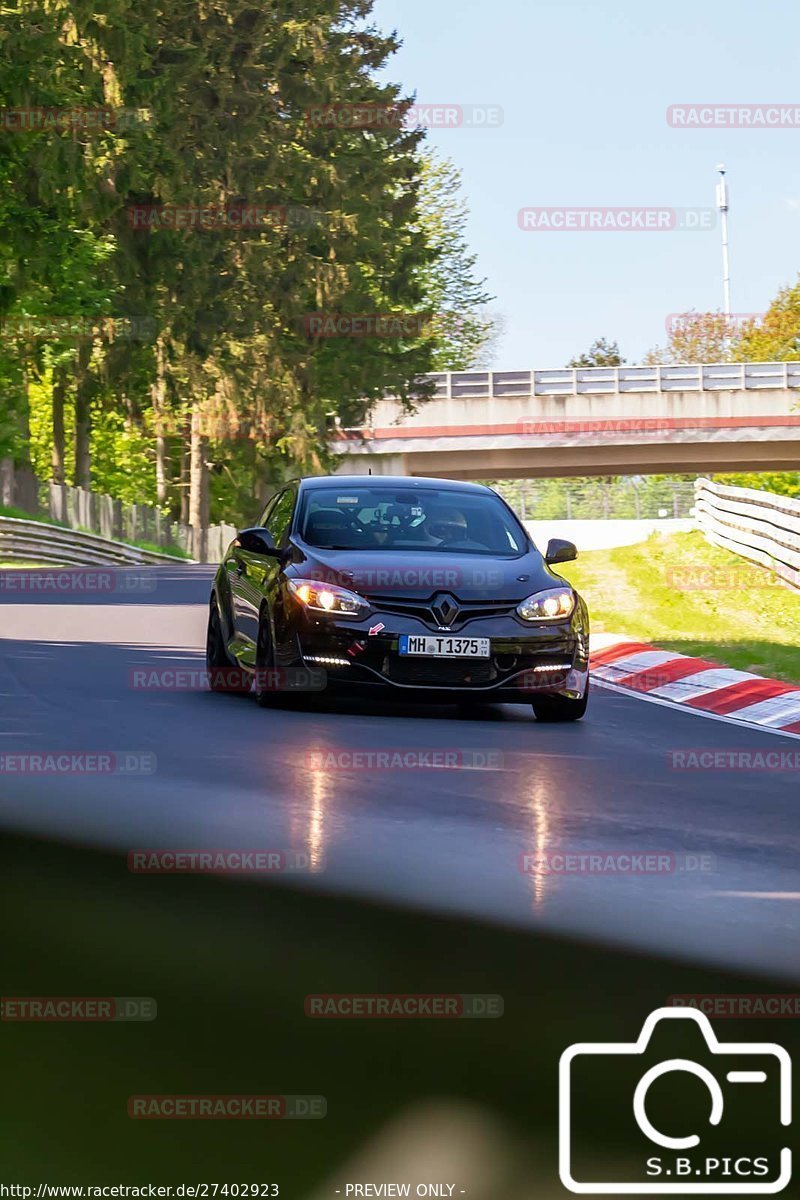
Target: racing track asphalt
231 775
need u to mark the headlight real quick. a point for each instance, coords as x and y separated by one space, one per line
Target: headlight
551 605
328 598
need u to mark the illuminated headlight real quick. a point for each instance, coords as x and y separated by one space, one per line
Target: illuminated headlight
552 605
328 598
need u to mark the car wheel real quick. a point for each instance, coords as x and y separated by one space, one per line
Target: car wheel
560 708
222 675
265 696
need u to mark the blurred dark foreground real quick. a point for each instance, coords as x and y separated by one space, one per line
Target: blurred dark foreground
466 1102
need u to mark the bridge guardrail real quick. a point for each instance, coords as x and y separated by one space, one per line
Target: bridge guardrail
36 541
603 381
760 526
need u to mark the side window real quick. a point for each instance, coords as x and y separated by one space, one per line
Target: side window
279 518
262 520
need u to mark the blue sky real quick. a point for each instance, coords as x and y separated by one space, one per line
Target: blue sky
584 87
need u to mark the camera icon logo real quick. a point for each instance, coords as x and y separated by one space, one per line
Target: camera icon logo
671 1098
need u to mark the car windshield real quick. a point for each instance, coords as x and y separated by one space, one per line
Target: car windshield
374 517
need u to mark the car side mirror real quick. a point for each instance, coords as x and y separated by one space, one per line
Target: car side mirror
258 541
559 550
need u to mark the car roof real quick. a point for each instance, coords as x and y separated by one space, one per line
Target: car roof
455 485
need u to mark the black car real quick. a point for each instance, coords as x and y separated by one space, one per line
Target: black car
407 585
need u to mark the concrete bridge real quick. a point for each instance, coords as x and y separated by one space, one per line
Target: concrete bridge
592 421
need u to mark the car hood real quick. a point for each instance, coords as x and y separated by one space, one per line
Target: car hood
418 576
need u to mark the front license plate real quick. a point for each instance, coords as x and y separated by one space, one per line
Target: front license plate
444 647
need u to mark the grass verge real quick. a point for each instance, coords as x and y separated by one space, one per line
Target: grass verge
685 595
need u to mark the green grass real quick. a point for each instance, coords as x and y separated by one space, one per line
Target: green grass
172 551
21 566
7 511
683 594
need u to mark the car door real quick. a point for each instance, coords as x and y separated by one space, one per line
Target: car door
257 574
236 571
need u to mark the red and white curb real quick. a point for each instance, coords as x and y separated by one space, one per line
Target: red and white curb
695 684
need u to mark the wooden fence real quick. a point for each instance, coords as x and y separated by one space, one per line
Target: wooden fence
95 513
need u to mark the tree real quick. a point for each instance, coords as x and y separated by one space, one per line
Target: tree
363 223
230 90
49 267
601 353
467 331
784 483
776 338
697 338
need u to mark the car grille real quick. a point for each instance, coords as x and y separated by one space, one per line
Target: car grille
422 609
442 672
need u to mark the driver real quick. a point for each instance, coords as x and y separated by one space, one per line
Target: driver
448 524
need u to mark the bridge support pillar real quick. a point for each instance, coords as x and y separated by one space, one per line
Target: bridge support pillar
381 464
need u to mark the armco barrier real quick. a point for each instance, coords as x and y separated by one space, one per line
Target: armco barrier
110 521
36 541
759 526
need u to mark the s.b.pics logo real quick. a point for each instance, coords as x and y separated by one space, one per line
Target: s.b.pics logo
675 1112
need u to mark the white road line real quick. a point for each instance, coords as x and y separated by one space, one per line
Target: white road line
760 895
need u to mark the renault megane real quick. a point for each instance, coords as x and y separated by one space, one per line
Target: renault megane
399 584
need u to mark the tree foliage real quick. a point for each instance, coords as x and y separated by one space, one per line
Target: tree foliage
466 329
201 379
601 353
696 338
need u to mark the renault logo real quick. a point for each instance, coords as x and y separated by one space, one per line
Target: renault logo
445 609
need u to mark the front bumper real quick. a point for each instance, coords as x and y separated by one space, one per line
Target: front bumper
547 659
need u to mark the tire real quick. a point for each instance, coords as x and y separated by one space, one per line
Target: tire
265 664
560 708
221 673
264 661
